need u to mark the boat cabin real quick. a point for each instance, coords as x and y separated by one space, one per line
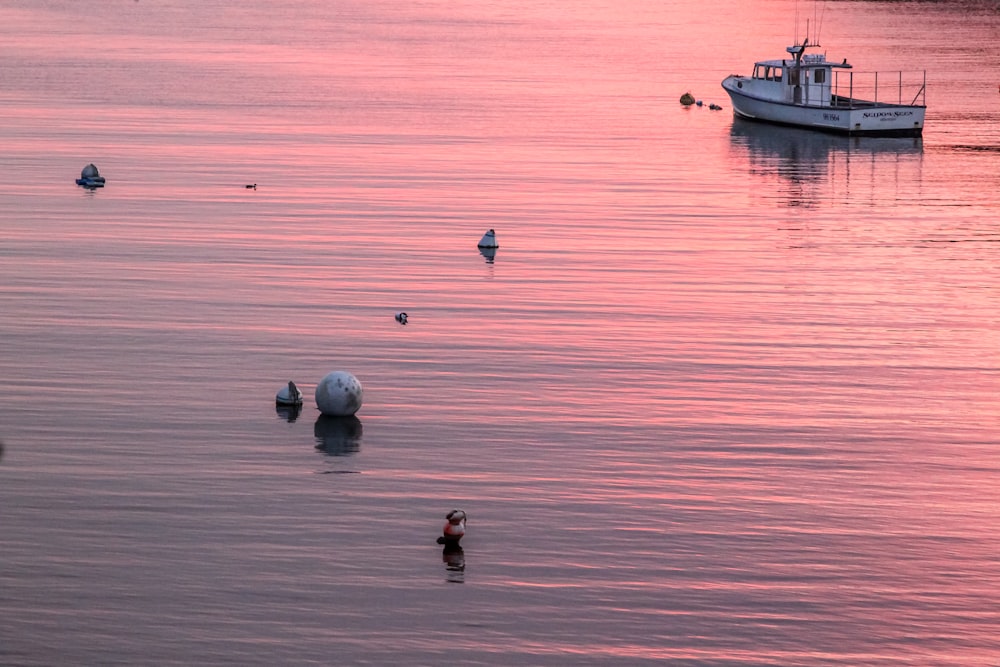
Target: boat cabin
805 80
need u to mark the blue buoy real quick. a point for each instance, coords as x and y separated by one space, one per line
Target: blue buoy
90 177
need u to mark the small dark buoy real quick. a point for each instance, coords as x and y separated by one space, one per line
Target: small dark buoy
252 187
401 318
90 178
687 99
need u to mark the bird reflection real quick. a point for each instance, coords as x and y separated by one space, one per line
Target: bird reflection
454 563
338 436
288 412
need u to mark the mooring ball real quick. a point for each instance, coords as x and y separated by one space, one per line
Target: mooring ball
90 171
339 394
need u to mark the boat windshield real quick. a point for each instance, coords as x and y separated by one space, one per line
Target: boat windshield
767 72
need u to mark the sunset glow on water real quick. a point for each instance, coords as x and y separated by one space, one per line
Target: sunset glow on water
724 395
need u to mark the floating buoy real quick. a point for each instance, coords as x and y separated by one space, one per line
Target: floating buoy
401 318
90 177
289 395
339 394
687 99
489 240
699 102
714 107
252 187
454 528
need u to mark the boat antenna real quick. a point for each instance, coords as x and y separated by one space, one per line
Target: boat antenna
796 41
818 14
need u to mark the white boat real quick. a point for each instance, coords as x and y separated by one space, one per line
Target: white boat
807 90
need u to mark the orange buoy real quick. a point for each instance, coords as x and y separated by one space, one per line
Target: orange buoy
454 528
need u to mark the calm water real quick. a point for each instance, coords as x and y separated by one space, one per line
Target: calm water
725 395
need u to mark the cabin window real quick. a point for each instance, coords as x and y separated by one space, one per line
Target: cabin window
776 74
819 76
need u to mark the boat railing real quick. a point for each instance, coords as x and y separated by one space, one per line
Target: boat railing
861 89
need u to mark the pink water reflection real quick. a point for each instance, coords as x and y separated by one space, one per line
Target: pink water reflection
723 395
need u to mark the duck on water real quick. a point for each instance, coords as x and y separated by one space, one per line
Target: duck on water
807 90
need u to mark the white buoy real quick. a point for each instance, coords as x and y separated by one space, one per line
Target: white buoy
339 394
401 318
489 240
289 395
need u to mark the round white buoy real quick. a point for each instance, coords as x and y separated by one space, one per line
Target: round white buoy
489 240
339 394
401 318
289 395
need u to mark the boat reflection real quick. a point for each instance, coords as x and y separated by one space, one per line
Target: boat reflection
815 166
338 436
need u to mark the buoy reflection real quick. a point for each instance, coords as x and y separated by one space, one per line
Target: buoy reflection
338 436
454 564
288 412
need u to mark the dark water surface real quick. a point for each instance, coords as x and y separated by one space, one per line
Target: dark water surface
726 395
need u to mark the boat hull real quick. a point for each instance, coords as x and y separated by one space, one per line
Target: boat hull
858 118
